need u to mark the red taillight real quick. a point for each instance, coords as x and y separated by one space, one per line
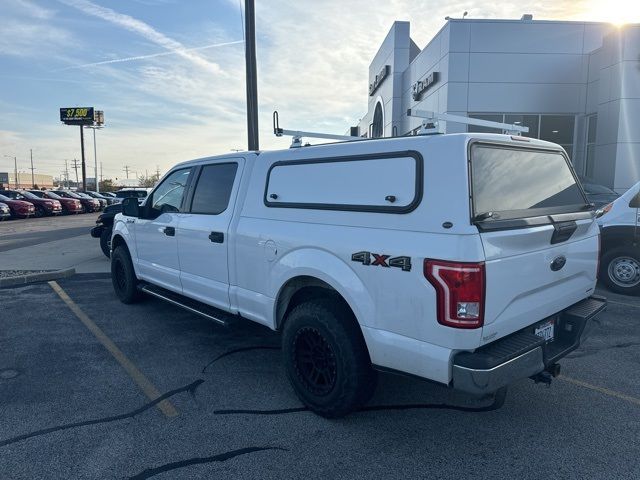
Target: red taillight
460 292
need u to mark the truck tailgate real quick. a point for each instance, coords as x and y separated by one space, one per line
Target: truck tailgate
528 278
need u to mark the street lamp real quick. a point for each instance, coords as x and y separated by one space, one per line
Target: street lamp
15 164
95 155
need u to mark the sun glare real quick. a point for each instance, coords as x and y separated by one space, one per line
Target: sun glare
618 12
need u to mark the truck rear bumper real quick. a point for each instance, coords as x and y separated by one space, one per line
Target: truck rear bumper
523 354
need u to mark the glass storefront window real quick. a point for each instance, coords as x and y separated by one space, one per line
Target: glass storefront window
557 128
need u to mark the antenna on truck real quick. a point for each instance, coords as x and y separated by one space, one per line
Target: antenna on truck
298 134
430 122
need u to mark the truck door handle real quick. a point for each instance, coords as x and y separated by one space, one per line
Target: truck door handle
169 231
216 237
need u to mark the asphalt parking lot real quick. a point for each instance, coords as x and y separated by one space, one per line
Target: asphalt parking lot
78 371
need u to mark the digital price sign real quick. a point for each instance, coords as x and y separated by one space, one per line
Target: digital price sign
77 116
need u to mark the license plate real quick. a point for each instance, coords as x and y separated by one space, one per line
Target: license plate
545 330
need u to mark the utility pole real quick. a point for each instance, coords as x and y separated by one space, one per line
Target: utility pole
158 171
75 166
101 171
66 170
33 182
251 74
126 170
84 165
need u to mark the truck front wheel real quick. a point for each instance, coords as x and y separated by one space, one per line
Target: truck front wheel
326 358
123 276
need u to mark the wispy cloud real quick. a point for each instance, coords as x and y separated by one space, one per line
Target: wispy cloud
143 29
146 57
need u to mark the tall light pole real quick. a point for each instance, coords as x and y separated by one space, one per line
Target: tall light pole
252 81
95 154
15 163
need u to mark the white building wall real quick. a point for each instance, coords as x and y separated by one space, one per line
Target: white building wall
524 67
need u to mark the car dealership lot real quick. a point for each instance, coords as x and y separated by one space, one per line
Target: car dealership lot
78 369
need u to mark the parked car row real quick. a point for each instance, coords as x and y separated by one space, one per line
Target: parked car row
16 203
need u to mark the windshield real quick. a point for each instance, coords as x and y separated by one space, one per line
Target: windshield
131 193
513 183
30 195
68 195
11 195
53 195
38 194
3 198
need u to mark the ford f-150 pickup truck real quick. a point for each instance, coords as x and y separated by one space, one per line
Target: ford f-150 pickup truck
466 259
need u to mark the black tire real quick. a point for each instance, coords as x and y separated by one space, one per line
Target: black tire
40 212
105 242
337 377
123 276
620 270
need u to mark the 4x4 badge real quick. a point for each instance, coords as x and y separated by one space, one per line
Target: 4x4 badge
378 259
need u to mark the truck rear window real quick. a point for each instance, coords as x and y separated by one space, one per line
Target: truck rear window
516 182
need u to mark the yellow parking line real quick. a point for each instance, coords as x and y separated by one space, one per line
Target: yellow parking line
606 391
165 406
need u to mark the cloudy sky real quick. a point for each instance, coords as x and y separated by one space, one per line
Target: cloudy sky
169 74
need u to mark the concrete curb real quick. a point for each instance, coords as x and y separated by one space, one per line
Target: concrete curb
36 277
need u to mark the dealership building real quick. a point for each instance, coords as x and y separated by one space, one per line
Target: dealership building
574 83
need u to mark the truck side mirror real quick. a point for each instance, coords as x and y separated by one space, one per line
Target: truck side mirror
635 201
131 207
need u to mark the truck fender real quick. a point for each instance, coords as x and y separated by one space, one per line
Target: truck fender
325 266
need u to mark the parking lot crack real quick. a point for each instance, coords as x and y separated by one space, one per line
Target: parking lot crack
221 457
114 418
238 350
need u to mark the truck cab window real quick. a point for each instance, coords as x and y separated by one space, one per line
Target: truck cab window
214 188
169 194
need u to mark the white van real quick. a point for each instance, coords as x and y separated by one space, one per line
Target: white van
620 254
466 259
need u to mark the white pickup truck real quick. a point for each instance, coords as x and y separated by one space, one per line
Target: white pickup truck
466 259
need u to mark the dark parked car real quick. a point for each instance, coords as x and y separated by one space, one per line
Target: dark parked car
597 194
102 201
4 211
104 227
19 208
69 205
89 204
44 206
100 196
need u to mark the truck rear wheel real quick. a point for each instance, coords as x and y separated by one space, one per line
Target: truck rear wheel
123 276
620 270
326 358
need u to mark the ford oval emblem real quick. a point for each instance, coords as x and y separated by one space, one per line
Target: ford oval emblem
558 263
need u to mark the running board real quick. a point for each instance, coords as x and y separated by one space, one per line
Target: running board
193 306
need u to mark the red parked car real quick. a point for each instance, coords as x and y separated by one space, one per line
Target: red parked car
19 208
89 204
69 205
43 206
